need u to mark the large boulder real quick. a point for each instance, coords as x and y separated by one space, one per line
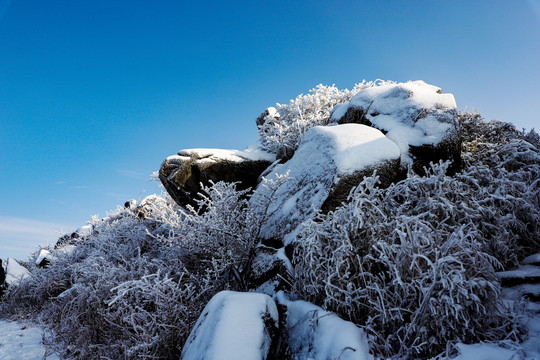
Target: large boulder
418 117
183 174
329 162
233 325
313 333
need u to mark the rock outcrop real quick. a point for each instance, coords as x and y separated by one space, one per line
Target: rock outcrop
327 164
418 117
235 326
183 174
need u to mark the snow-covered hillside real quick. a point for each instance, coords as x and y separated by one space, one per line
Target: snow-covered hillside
372 223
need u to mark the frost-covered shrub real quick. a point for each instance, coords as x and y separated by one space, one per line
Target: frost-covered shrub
221 236
225 233
136 285
400 264
414 264
281 132
503 173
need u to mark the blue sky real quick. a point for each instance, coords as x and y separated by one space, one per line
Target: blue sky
95 94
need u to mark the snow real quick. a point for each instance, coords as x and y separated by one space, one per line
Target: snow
68 249
325 155
232 326
15 272
412 113
484 352
273 113
533 259
253 152
523 272
358 146
22 342
516 292
317 334
86 230
41 255
282 256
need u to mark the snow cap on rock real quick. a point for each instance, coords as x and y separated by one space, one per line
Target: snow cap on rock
412 114
234 326
15 272
328 158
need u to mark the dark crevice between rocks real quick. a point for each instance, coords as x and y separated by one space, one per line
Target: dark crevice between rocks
279 348
388 173
514 281
423 155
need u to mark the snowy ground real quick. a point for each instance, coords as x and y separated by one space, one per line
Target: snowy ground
21 342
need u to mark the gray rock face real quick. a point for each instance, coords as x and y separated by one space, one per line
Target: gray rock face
183 174
327 164
418 117
235 326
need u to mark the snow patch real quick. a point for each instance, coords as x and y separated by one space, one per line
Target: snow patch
484 352
22 342
319 335
42 255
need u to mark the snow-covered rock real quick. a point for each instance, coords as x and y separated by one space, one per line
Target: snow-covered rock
148 204
270 114
319 335
270 270
329 162
43 257
233 325
15 272
183 174
417 116
77 236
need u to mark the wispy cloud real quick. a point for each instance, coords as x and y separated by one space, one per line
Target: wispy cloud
60 182
78 187
132 174
19 237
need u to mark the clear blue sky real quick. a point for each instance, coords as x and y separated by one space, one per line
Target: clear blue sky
95 94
